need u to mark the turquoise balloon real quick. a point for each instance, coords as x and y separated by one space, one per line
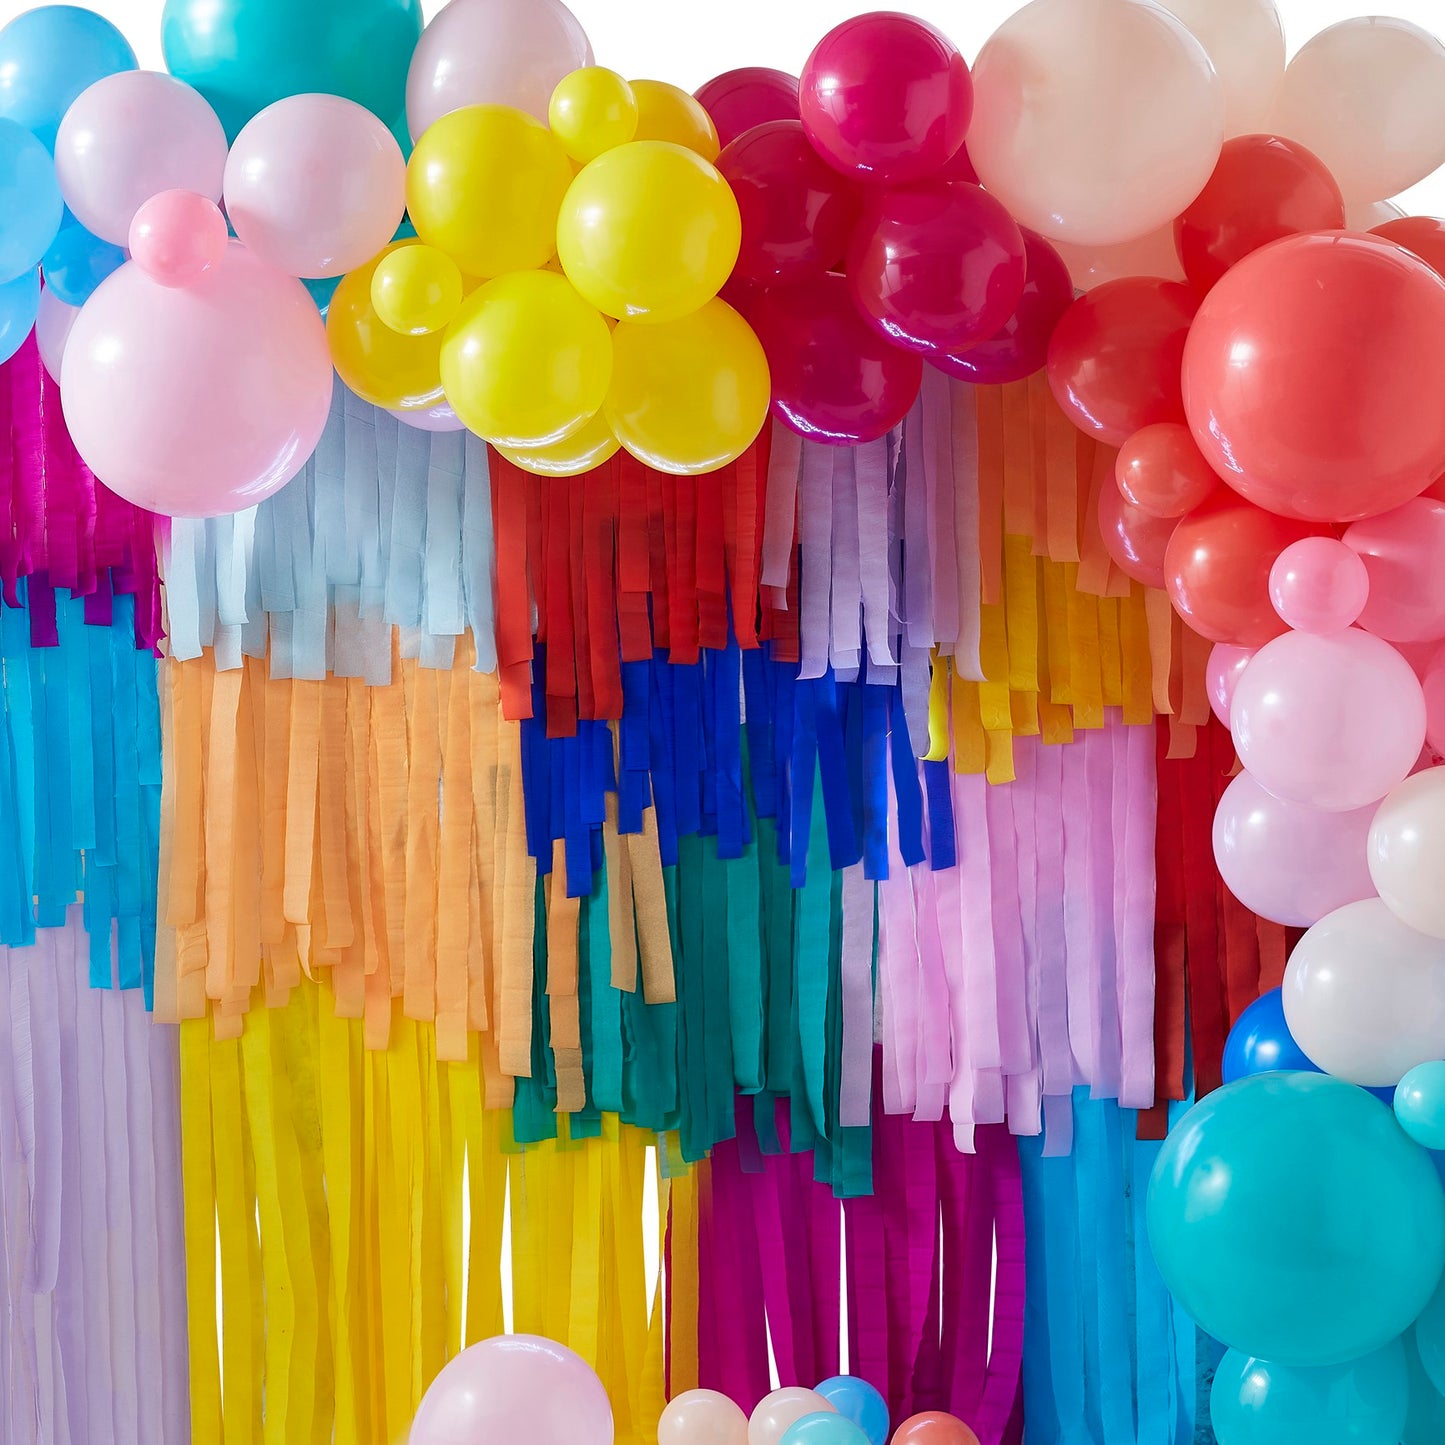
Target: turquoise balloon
30 204
1290 1215
1363 1402
243 55
1425 1424
19 301
823 1427
1430 1337
1420 1104
856 1400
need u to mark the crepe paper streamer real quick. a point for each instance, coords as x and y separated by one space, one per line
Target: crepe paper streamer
93 1329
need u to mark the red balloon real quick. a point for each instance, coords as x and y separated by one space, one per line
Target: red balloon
1424 236
1314 375
1160 470
886 97
737 100
1134 538
1114 358
797 212
936 267
834 378
959 168
1020 347
1263 188
1217 565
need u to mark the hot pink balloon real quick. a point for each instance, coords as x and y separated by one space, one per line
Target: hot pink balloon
315 185
1222 672
177 237
737 100
1404 555
198 401
129 137
1318 585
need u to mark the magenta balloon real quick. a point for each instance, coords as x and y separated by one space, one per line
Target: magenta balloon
1020 347
177 236
960 167
1287 862
1135 540
737 100
1318 585
834 378
1222 671
887 98
937 267
514 1388
1333 722
1404 554
197 401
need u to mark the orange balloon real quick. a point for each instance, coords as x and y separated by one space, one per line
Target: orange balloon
934 1427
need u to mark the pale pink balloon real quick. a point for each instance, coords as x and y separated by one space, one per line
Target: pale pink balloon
201 400
1318 585
52 330
493 52
129 137
775 1412
177 237
435 419
1333 722
518 1388
1407 851
1151 255
702 1417
315 185
1366 215
1245 41
1287 862
1404 554
1222 672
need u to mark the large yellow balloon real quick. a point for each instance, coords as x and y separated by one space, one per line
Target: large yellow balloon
401 373
576 454
484 185
527 361
649 231
688 396
592 110
666 112
416 290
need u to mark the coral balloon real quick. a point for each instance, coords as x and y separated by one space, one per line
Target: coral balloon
835 379
886 97
416 289
1264 188
1404 556
1114 357
665 112
1291 377
1407 851
777 1411
1096 121
1423 236
1161 471
1136 540
702 1417
1244 40
588 447
1151 255
737 100
1318 585
197 401
1222 671
934 1427
592 110
177 236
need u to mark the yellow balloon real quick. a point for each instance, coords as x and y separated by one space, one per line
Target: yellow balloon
527 361
484 185
592 110
417 290
649 231
688 396
665 112
579 453
401 373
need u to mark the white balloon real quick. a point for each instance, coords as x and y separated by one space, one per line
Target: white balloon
1407 851
1151 255
1366 215
52 330
1245 40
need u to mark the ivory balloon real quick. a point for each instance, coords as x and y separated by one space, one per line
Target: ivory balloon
702 1417
1245 41
52 330
1151 255
769 1422
1407 851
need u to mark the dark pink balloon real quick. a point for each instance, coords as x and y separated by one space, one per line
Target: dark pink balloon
887 98
959 168
797 212
737 100
835 379
937 267
1020 347
1134 539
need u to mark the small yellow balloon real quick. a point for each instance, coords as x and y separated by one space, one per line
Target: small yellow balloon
665 112
484 184
649 231
576 454
417 290
592 110
688 396
527 361
401 373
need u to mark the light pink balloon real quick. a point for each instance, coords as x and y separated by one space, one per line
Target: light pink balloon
493 52
1318 585
129 137
702 1417
1333 722
775 1412
1287 862
198 401
436 419
1404 554
315 185
1222 672
1432 681
177 237
514 1388
1151 255
52 330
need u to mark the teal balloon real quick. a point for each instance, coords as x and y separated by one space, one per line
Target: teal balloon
1420 1104
1430 1336
30 204
856 1400
823 1427
1425 1424
77 262
322 289
1362 1402
244 55
1293 1219
19 301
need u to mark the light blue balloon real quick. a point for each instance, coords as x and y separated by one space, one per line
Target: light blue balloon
77 262
1420 1104
1425 1424
19 301
1293 1219
856 1400
48 56
30 204
1364 1402
823 1427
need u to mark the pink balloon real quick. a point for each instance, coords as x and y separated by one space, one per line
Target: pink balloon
129 137
1288 862
198 401
1404 555
315 185
177 237
702 1417
1222 672
775 1412
514 1388
1332 722
435 419
52 330
1135 540
737 100
1318 585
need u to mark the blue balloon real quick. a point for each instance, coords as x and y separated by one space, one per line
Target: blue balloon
48 56
823 1427
1420 1104
30 204
19 301
78 262
1290 1215
856 1400
1362 1402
